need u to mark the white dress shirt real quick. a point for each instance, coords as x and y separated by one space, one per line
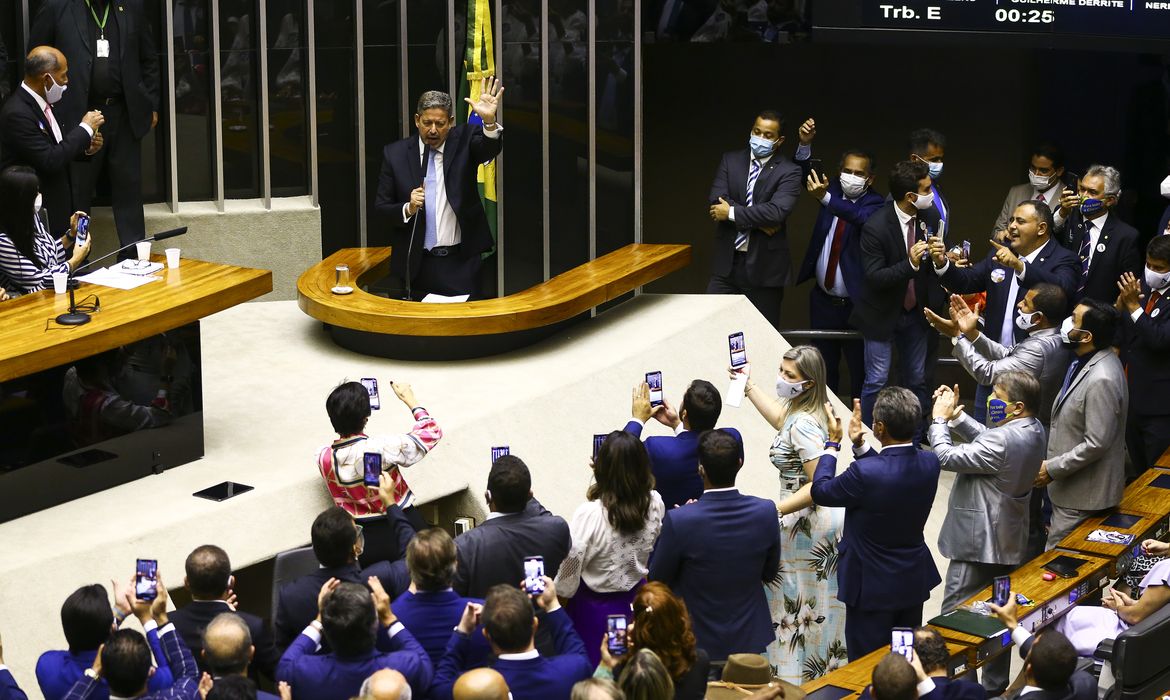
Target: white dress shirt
803 152
1094 234
52 122
838 289
447 231
607 560
1007 333
903 220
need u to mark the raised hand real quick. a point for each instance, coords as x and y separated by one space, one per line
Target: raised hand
327 589
966 320
1069 200
1004 256
488 103
944 326
381 602
808 131
817 184
938 251
946 400
916 252
1130 292
640 408
833 423
856 426
404 393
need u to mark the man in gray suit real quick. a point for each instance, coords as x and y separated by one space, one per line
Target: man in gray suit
985 533
1042 354
1045 183
1085 469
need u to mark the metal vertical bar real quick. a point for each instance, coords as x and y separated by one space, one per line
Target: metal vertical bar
217 104
311 93
404 68
638 123
452 71
544 147
591 61
499 159
359 47
172 122
265 128
26 20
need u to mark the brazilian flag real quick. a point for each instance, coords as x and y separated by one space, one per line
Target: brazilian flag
480 62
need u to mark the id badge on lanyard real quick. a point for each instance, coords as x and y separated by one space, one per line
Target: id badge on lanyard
103 48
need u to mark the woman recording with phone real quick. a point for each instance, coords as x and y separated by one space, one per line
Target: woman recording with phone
29 255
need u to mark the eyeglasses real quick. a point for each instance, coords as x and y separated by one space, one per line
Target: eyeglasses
360 531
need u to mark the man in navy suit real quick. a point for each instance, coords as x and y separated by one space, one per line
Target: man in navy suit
897 284
674 459
337 543
754 191
932 654
509 624
364 636
833 259
715 554
31 133
884 571
226 649
517 526
1105 245
1029 256
209 581
1050 661
428 191
431 608
124 661
1146 350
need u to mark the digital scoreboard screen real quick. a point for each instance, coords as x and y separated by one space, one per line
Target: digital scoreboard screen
1117 18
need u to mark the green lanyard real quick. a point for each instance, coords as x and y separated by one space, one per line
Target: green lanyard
102 22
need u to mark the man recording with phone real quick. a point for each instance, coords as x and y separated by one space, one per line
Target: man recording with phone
985 533
428 190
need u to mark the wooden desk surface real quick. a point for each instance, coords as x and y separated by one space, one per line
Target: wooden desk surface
561 298
1051 597
1140 496
1164 460
30 340
857 674
1147 526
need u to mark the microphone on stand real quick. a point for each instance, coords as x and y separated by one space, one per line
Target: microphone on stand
77 318
414 226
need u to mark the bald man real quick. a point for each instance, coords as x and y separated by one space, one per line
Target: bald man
481 684
386 684
32 134
228 649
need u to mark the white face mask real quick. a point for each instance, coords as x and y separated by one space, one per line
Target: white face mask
924 201
1166 187
1157 280
55 92
38 201
1025 322
1066 328
1040 182
852 186
788 390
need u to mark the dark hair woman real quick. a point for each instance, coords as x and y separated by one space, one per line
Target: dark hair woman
29 255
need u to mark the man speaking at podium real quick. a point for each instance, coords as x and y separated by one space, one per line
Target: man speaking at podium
428 190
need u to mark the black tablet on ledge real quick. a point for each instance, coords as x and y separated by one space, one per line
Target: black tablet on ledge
222 491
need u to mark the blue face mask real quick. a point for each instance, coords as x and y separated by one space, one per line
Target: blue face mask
761 147
997 410
1091 205
935 170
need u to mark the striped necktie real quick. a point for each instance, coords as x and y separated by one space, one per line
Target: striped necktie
741 236
1086 242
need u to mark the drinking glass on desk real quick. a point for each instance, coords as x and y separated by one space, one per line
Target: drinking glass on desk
143 250
341 283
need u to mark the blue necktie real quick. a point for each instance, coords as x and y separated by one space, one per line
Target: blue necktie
1084 253
431 186
741 236
1068 376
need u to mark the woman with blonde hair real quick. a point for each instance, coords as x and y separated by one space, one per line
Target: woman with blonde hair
644 677
810 621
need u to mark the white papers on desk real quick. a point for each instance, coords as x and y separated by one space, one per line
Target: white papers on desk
440 299
107 277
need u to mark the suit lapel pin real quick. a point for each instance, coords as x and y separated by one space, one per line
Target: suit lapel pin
997 275
1155 312
1100 247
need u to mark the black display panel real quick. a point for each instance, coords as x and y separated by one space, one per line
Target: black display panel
1113 18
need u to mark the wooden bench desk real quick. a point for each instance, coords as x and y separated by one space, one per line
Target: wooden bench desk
1164 460
1053 599
856 675
1141 497
375 325
1122 555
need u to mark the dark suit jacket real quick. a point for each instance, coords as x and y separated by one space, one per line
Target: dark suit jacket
1146 351
66 25
883 560
1053 264
674 460
328 677
1081 685
26 138
945 689
431 615
465 148
182 664
715 554
1122 254
774 196
193 618
855 215
887 270
541 678
9 690
58 670
297 601
494 552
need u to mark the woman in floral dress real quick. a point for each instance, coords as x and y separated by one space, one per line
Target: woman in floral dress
808 618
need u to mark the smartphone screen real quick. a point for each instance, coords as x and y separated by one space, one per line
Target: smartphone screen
597 440
966 250
814 165
615 634
146 579
82 228
1001 590
738 350
372 461
371 385
533 570
498 452
654 379
902 641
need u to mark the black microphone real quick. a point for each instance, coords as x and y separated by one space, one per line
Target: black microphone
414 226
77 318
